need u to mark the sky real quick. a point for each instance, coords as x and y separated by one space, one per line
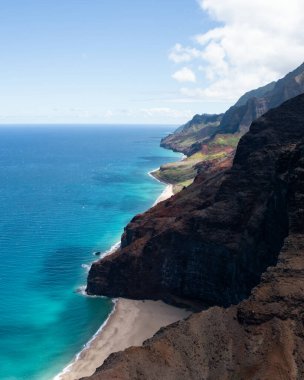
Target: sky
135 61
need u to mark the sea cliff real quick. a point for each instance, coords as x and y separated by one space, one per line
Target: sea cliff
212 241
206 138
211 244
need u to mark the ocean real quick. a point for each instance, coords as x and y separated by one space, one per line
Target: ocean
65 192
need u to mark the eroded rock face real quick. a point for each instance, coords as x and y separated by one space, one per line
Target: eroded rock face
212 241
255 103
195 131
138 269
197 134
262 337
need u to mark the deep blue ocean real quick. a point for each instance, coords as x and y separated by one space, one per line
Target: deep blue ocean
65 192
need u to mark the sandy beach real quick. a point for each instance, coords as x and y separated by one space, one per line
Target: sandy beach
167 193
130 324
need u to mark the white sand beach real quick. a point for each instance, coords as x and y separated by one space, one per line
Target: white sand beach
130 324
167 193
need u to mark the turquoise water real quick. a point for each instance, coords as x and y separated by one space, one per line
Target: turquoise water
65 192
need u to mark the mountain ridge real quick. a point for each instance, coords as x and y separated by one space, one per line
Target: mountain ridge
159 247
249 107
203 142
248 217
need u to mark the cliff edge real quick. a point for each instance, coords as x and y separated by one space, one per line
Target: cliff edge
212 242
208 137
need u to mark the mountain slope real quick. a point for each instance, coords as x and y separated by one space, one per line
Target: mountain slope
211 242
256 93
196 130
248 341
202 143
238 118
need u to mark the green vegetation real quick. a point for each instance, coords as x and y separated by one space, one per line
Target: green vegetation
178 187
177 172
229 140
200 128
181 173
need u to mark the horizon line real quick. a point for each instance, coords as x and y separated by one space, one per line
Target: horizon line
95 124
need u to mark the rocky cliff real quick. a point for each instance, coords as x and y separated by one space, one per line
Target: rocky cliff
199 128
240 116
208 137
212 242
237 119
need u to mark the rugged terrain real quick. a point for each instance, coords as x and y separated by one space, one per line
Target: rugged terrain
189 138
209 245
196 130
213 240
208 136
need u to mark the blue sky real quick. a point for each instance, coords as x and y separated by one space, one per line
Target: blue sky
120 61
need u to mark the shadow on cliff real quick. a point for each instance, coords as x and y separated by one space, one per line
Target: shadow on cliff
210 243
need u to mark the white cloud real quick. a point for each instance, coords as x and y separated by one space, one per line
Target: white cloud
256 43
184 75
180 53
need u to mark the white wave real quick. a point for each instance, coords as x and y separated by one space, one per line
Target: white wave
82 291
150 173
107 252
111 250
86 267
68 368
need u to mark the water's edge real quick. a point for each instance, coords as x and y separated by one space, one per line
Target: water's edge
165 194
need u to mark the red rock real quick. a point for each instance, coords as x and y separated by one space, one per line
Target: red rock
250 217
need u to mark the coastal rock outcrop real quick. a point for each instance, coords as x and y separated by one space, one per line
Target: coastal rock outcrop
253 105
212 242
189 138
194 132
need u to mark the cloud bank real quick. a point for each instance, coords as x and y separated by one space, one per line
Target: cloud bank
184 75
253 44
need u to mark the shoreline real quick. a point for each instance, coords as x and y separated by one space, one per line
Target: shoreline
169 190
136 320
66 371
166 194
130 323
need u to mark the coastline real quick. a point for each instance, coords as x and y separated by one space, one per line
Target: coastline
135 320
166 194
170 189
130 323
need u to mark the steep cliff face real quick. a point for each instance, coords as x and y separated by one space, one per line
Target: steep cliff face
196 130
237 119
256 93
221 243
136 270
240 116
212 241
261 339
